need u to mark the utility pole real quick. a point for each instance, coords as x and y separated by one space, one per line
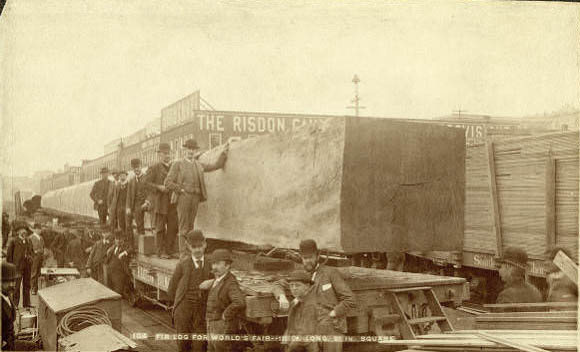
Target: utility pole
458 112
356 99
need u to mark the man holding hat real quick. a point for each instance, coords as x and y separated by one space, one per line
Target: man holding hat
164 212
189 301
37 243
19 253
225 302
333 296
512 272
186 180
99 195
136 197
302 312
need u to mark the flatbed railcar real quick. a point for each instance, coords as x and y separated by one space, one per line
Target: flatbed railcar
374 313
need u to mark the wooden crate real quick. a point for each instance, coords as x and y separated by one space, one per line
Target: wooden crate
56 301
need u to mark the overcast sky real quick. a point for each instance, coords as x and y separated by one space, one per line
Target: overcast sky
77 74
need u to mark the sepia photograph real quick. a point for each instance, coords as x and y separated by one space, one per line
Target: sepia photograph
288 176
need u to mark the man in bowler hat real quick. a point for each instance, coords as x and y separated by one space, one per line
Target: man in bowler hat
225 302
164 212
100 193
186 180
136 197
333 296
512 272
19 252
189 301
9 277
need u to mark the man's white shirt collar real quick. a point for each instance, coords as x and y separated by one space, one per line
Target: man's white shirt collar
196 261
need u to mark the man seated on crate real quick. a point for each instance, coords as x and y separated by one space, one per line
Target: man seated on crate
333 296
96 264
188 300
560 287
512 272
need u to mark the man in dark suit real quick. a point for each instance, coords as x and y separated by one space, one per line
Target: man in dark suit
100 194
136 197
19 253
188 309
9 277
225 302
111 194
96 264
163 211
5 228
186 180
118 265
512 271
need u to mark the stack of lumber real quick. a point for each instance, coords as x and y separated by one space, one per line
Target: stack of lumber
565 320
494 340
523 182
355 185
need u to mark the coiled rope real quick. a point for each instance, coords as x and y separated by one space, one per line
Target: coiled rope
80 318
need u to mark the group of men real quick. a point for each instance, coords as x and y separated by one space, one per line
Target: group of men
512 271
208 299
171 191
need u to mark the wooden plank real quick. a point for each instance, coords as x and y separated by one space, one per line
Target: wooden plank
523 307
550 201
494 199
510 343
567 265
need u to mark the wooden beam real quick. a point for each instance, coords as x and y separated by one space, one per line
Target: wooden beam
495 213
567 265
510 343
550 202
530 307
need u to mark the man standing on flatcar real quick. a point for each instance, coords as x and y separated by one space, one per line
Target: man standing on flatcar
99 195
186 180
136 197
110 197
164 212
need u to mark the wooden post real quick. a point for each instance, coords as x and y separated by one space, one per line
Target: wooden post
550 202
567 265
495 214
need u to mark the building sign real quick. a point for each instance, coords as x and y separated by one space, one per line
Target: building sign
241 123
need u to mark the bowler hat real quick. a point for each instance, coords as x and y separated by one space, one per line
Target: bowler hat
221 255
122 172
300 275
135 163
18 225
308 247
515 256
9 272
195 238
104 170
164 147
191 144
114 172
37 225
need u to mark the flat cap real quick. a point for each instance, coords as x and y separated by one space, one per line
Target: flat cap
300 275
